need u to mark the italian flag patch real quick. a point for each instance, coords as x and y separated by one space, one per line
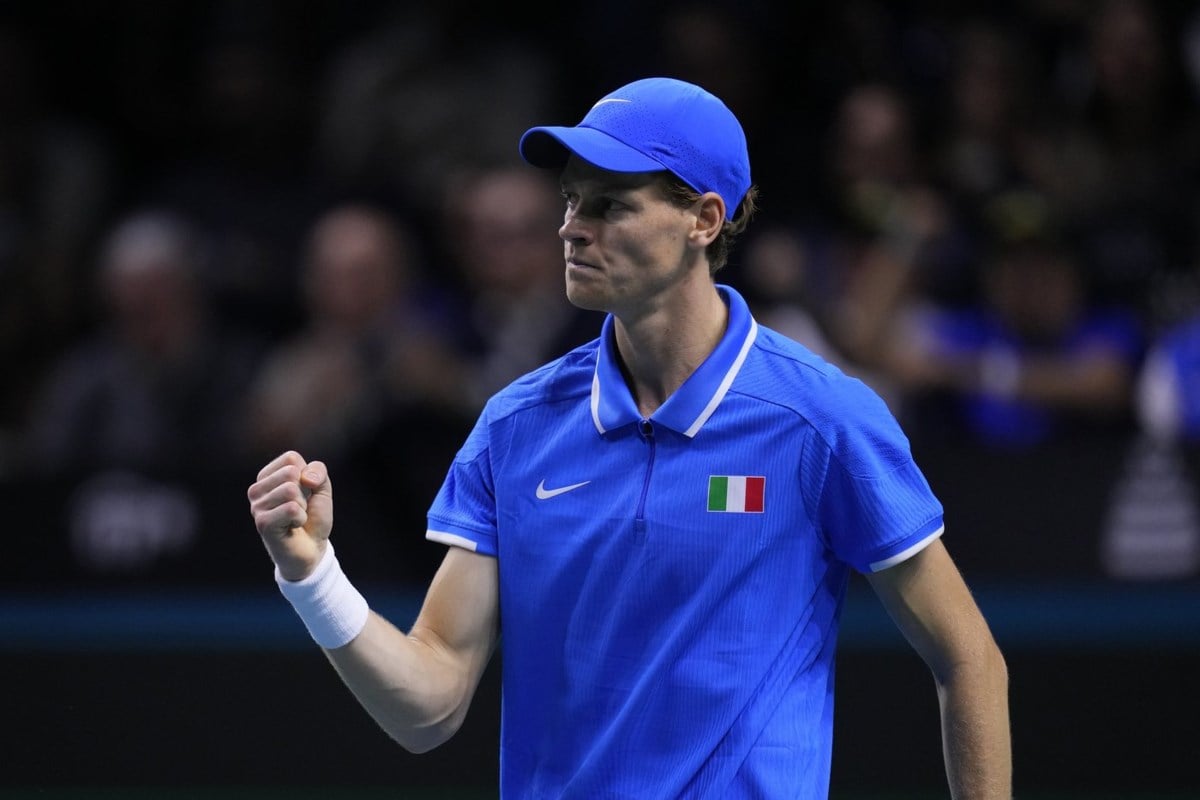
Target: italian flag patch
736 494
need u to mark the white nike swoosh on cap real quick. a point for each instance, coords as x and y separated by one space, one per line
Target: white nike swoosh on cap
545 494
611 100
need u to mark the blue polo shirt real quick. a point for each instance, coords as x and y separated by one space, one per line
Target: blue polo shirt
670 587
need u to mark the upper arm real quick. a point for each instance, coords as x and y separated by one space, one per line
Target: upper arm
931 604
460 618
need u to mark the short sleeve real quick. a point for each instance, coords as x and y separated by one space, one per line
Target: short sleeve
463 513
873 506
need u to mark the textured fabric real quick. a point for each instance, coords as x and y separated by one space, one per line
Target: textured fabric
653 647
650 125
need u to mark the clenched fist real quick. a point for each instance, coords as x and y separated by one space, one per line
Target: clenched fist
292 506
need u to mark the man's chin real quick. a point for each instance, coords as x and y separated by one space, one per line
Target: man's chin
585 299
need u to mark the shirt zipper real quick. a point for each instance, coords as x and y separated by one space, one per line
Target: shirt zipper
646 429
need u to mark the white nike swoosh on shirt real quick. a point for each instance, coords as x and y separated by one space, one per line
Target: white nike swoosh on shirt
545 494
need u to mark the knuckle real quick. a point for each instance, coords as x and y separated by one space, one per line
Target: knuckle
296 518
291 492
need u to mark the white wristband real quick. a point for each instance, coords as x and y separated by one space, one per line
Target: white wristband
328 604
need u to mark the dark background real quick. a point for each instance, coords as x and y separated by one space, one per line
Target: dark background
149 675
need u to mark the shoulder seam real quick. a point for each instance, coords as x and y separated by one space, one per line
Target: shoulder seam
517 406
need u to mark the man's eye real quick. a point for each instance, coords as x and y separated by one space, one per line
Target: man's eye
595 206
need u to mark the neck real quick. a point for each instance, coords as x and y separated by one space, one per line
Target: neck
663 346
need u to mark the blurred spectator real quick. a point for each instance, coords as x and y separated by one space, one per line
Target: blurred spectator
895 237
773 276
157 389
1168 392
498 230
55 182
888 132
986 113
1035 358
241 169
371 383
1122 151
428 90
1152 526
372 344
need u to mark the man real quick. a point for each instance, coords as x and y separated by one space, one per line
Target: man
661 522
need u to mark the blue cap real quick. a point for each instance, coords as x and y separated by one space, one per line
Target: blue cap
651 125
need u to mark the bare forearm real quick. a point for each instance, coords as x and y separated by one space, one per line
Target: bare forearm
975 730
933 607
417 694
416 686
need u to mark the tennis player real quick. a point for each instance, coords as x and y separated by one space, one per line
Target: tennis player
657 528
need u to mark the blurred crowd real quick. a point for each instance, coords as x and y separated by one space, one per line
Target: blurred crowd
231 228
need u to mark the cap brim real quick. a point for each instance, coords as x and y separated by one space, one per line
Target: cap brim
550 146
